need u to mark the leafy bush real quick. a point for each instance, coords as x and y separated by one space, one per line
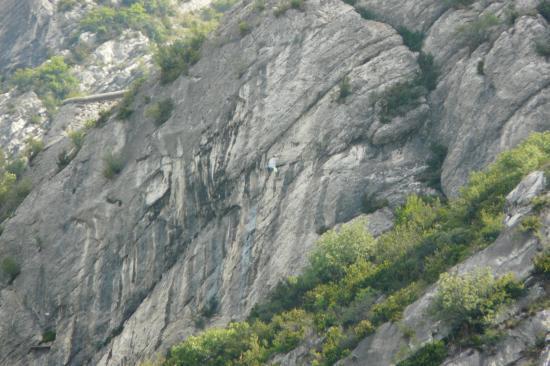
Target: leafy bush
544 9
244 28
63 159
66 5
33 147
77 137
403 97
531 224
432 354
125 109
392 307
335 251
542 46
107 22
175 59
48 336
161 111
470 302
432 176
542 264
345 89
52 81
412 39
113 165
478 31
366 13
10 268
458 3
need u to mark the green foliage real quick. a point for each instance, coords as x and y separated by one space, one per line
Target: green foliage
481 68
544 9
211 308
345 89
244 28
355 283
366 13
432 354
392 307
412 39
107 22
125 109
478 31
470 302
77 137
48 336
458 3
161 111
531 224
10 268
63 159
175 59
52 81
404 96
542 264
66 5
336 251
432 175
285 5
542 46
13 189
33 147
112 165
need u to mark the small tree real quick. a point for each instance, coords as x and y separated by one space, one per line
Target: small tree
470 302
10 268
337 250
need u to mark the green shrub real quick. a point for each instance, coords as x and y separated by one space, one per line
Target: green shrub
66 5
432 175
335 251
366 13
478 31
544 9
33 147
392 307
297 4
77 137
244 28
259 5
52 81
481 67
63 159
161 111
211 308
48 336
432 354
125 109
429 71
399 99
177 58
531 224
412 39
542 264
345 89
10 268
542 46
470 302
107 22
458 3
113 165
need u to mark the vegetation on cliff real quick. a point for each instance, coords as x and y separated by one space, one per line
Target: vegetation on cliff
354 282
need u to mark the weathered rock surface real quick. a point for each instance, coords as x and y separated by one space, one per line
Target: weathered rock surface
122 268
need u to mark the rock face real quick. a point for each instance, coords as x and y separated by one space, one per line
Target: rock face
26 33
121 268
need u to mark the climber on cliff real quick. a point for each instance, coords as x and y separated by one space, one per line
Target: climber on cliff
272 164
